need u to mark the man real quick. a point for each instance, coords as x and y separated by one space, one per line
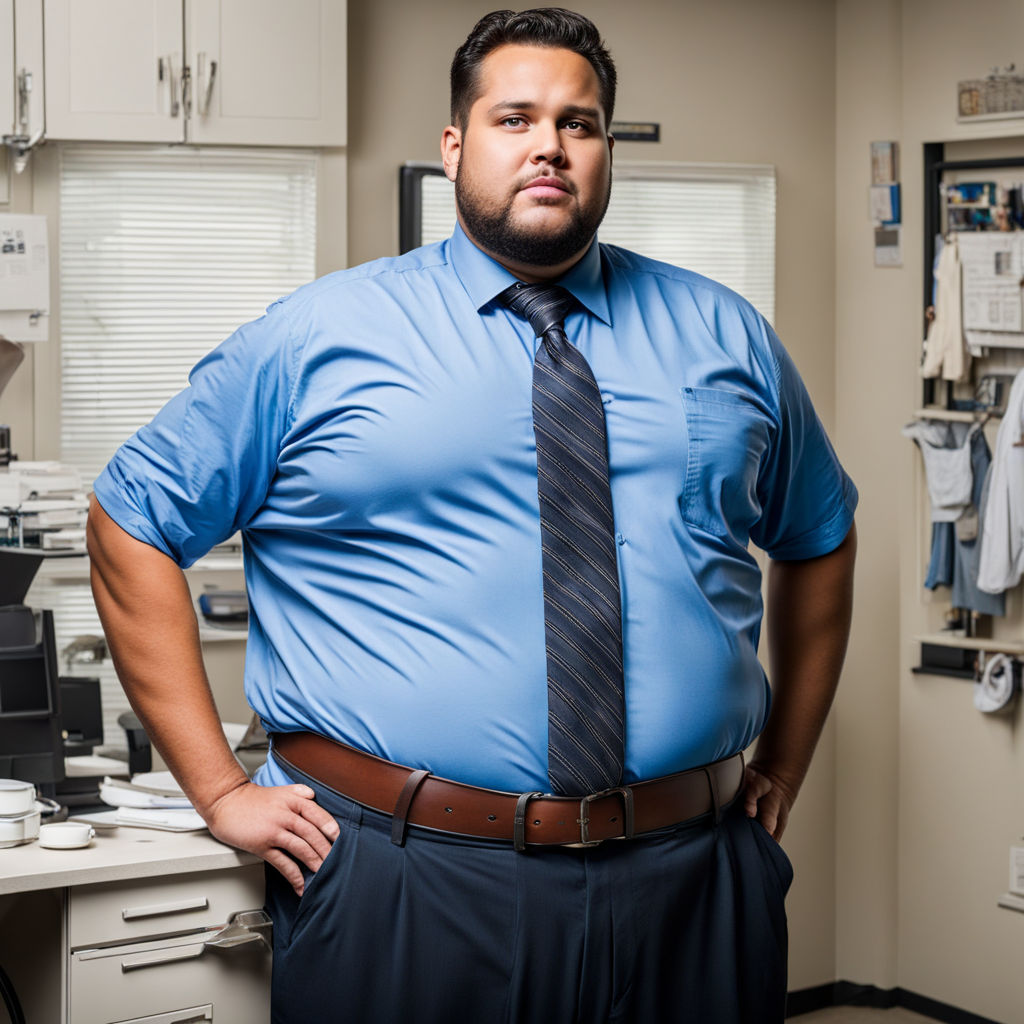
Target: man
426 493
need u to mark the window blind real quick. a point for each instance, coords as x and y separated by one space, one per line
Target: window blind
163 253
715 219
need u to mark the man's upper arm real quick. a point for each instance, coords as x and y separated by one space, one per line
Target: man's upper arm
807 499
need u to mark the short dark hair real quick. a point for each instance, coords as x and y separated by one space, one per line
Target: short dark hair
545 26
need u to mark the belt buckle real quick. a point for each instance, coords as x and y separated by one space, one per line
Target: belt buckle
584 819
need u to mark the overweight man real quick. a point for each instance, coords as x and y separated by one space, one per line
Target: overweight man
497 497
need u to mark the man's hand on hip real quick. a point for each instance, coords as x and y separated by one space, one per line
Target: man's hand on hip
768 799
281 824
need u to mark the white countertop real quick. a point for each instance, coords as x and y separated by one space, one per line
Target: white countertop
114 855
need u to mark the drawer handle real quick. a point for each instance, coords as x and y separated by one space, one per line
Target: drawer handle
156 909
192 1016
244 928
161 956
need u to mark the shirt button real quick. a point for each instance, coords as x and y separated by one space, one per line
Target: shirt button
619 539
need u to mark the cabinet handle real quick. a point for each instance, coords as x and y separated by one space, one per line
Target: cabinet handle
24 91
156 909
156 957
186 91
193 1015
206 92
243 928
165 69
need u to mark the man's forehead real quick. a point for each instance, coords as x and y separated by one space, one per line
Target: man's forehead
526 68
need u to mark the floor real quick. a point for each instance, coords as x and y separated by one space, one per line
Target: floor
860 1015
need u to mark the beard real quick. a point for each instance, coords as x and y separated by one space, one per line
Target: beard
494 229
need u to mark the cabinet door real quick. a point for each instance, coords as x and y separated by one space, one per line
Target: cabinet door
6 68
28 68
267 73
113 70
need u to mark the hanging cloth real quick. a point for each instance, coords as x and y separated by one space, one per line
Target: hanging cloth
1001 561
946 353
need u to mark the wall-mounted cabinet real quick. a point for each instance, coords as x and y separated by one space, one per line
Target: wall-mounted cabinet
21 68
241 72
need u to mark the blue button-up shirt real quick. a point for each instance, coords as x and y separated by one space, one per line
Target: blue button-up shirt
372 437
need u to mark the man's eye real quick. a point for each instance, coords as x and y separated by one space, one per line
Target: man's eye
512 122
576 126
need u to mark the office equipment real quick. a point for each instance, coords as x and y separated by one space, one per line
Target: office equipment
81 714
65 835
31 746
226 609
24 277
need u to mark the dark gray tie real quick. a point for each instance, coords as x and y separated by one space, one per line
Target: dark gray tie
582 610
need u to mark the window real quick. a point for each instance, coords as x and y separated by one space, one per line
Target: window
163 253
715 219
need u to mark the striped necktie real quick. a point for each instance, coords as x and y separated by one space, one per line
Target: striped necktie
582 610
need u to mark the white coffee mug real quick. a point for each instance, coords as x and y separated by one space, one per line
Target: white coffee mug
65 835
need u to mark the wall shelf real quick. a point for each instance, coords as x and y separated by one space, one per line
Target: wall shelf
952 415
990 645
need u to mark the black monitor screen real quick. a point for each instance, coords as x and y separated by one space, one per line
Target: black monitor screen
31 743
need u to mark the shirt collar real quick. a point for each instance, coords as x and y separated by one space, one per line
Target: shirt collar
484 278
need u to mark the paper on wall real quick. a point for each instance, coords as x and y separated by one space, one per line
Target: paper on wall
993 265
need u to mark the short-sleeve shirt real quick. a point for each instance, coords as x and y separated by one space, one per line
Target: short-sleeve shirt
371 436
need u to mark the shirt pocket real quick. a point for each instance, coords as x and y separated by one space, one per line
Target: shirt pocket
727 437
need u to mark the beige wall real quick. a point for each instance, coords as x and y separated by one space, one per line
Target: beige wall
929 791
870 409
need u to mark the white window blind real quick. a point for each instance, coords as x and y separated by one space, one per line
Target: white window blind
715 219
163 253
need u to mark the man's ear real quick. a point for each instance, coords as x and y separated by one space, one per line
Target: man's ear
451 150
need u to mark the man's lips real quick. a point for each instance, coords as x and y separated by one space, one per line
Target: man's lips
545 186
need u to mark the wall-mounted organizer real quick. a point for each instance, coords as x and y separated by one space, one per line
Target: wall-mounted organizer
973 352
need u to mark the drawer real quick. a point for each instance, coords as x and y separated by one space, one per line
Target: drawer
170 980
117 912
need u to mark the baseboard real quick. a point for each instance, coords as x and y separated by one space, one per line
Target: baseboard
847 993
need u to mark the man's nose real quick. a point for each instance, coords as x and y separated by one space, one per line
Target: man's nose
547 146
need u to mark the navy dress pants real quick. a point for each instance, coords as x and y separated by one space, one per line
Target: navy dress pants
686 924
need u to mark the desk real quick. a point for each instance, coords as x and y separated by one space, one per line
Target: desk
115 932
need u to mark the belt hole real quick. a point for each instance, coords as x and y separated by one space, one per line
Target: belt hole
536 821
614 819
492 817
447 810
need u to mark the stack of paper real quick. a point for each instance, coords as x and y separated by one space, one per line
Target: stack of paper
48 504
152 800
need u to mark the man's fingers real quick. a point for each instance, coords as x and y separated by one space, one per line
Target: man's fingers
288 868
322 819
756 787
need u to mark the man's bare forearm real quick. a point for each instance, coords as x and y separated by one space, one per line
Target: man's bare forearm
146 610
150 624
810 605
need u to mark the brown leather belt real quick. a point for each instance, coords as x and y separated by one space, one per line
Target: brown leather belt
415 797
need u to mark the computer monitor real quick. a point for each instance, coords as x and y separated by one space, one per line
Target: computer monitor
31 741
81 714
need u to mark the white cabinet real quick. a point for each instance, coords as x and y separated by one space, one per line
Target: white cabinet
147 951
279 73
21 69
243 72
113 70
